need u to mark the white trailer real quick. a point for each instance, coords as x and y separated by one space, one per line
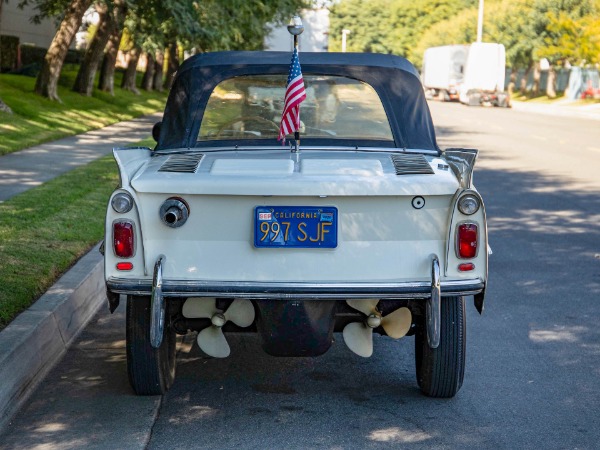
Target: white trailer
485 70
443 71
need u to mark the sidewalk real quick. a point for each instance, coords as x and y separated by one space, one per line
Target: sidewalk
31 167
562 109
38 338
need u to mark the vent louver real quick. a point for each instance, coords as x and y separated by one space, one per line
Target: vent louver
408 164
183 163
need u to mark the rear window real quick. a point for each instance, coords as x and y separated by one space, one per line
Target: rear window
250 107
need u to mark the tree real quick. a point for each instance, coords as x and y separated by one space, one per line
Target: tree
460 29
389 26
559 24
173 63
368 22
148 79
571 40
129 77
47 80
106 81
111 16
159 63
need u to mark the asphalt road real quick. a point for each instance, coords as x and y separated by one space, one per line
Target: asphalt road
533 358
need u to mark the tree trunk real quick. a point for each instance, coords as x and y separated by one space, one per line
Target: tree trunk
173 65
524 81
157 84
148 79
513 75
47 80
551 86
537 74
106 82
129 78
84 83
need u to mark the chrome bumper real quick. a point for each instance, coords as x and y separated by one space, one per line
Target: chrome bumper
295 290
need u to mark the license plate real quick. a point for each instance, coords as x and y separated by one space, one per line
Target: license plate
295 226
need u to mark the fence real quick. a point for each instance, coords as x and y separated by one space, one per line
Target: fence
574 82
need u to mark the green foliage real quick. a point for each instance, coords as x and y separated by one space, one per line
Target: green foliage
388 26
207 25
569 31
456 30
560 30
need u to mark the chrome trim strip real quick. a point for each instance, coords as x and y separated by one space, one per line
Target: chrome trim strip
433 306
157 305
295 290
302 148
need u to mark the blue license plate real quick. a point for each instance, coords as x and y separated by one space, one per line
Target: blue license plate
295 226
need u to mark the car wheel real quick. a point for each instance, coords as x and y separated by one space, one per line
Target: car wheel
151 370
440 371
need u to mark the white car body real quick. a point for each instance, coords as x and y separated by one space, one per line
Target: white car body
382 237
366 227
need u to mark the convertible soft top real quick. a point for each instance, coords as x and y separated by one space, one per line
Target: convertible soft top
394 79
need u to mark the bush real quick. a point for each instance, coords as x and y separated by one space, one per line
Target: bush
31 54
9 52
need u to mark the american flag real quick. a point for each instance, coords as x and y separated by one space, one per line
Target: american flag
294 95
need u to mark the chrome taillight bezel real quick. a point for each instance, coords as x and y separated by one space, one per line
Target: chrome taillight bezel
126 200
466 198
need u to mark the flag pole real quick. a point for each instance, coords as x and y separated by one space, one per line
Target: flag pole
295 28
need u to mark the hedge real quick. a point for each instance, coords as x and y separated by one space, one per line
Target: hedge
9 52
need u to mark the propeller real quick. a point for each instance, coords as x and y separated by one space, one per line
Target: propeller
211 340
358 336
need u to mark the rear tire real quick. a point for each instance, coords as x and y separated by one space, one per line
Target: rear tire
440 371
151 370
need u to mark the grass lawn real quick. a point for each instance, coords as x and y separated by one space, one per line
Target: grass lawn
37 119
45 230
544 99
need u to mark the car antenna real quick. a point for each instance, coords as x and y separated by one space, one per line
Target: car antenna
295 28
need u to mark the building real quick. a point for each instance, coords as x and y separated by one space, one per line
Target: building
17 22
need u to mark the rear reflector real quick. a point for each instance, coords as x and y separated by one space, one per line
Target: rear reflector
124 266
467 267
123 239
467 240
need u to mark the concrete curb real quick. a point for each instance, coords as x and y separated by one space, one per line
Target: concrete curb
34 342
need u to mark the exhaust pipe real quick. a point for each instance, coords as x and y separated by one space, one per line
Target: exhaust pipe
174 212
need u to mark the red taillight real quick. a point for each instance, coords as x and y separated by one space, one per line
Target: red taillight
124 266
466 267
467 240
123 239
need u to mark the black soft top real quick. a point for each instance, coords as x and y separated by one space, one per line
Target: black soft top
395 80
